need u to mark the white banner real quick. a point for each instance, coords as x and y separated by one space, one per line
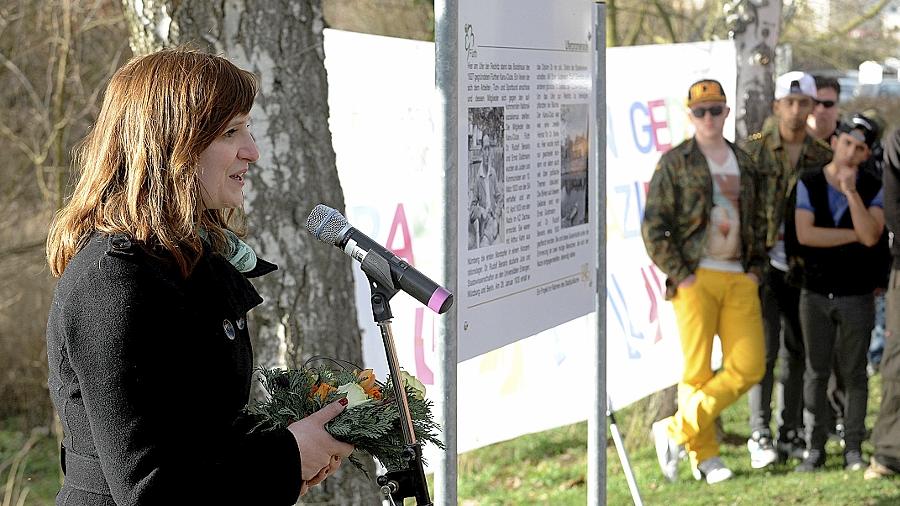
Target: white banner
383 134
381 96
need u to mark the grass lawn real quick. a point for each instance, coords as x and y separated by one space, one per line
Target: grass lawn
33 455
550 468
778 484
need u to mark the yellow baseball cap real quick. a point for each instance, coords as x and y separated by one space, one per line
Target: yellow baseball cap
705 90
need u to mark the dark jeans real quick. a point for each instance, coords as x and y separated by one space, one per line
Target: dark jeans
886 435
784 339
876 350
836 327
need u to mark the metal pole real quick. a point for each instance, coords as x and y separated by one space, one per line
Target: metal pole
390 350
409 482
445 69
597 415
623 457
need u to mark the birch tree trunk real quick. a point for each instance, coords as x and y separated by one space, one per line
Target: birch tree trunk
755 27
309 305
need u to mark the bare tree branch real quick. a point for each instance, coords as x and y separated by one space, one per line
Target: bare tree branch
638 28
26 83
666 18
709 26
612 24
873 11
22 248
19 143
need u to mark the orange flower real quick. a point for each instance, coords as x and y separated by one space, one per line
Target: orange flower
366 380
321 391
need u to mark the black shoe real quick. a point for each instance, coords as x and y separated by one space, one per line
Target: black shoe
814 461
791 446
837 435
853 460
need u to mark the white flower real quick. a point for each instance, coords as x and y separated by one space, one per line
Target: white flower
355 394
412 382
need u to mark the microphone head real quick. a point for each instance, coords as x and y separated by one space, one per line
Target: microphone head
325 223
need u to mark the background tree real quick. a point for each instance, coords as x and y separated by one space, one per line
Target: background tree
812 35
852 34
754 27
55 57
847 33
408 19
309 308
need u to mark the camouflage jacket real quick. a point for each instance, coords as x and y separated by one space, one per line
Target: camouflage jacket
778 179
678 209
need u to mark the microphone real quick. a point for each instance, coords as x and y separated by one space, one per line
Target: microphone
329 226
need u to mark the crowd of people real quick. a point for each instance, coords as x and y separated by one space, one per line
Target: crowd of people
780 245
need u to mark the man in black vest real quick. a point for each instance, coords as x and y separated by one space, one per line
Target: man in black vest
839 220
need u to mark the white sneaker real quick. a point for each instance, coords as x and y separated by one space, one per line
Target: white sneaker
666 449
713 469
762 451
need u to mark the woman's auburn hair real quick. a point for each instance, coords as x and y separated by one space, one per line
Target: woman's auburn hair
138 166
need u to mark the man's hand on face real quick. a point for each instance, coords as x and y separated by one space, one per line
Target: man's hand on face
847 180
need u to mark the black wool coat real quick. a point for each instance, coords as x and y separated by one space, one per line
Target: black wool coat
149 373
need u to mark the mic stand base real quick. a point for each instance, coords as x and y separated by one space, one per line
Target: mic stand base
398 484
409 482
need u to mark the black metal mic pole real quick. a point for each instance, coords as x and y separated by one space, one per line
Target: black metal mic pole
409 482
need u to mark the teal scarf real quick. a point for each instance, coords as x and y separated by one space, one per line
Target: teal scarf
238 253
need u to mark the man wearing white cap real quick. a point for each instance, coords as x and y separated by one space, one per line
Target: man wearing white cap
782 151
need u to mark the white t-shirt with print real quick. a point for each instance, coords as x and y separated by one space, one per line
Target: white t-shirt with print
722 251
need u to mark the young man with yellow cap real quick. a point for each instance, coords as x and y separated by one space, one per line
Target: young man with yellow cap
703 230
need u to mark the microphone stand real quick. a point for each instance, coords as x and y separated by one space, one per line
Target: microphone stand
409 482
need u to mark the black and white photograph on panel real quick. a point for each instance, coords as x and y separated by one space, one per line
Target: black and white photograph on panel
574 165
486 177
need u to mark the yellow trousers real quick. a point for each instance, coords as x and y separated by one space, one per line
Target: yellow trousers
727 304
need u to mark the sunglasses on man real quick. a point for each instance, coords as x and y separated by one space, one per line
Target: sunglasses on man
828 104
714 111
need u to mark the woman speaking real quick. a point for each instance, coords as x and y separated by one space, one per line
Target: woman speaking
153 294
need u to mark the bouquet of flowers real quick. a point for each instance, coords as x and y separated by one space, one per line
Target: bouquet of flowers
371 421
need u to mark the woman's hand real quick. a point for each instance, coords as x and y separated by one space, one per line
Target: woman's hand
320 454
325 472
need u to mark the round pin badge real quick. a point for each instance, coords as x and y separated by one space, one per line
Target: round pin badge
229 329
